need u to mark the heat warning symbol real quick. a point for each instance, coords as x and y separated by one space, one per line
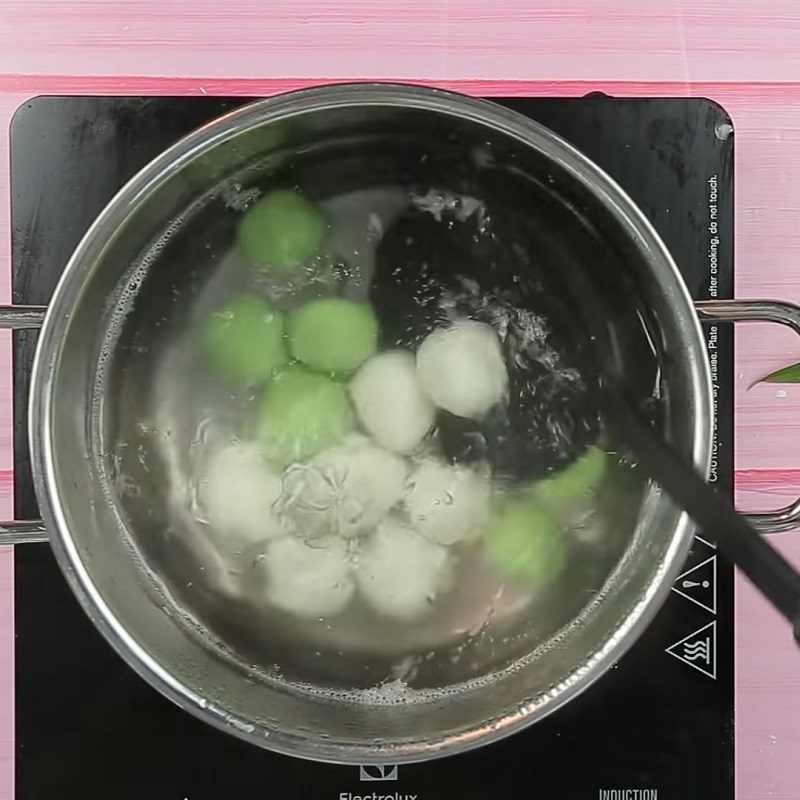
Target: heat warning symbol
698 650
699 584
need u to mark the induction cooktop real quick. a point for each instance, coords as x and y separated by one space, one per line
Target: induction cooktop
657 726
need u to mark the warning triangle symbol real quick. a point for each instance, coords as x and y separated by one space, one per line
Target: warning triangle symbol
706 542
699 584
698 650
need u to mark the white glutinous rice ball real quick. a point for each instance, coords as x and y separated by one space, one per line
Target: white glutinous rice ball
461 368
344 491
390 402
237 493
447 503
400 573
307 579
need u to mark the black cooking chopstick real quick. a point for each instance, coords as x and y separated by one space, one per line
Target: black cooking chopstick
765 567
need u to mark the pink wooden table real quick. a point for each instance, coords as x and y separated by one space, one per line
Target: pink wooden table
743 53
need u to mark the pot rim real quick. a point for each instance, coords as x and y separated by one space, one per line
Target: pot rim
160 169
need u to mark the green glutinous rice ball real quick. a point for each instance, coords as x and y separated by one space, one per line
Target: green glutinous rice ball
526 543
301 414
281 231
333 334
573 486
244 340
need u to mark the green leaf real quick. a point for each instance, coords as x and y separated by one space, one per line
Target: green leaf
785 375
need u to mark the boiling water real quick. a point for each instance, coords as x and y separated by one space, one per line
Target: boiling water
184 414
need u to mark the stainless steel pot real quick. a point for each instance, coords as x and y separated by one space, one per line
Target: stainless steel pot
98 546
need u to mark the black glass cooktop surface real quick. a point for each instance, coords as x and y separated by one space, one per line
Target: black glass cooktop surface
658 726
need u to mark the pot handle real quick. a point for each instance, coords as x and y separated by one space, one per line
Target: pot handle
22 531
787 518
